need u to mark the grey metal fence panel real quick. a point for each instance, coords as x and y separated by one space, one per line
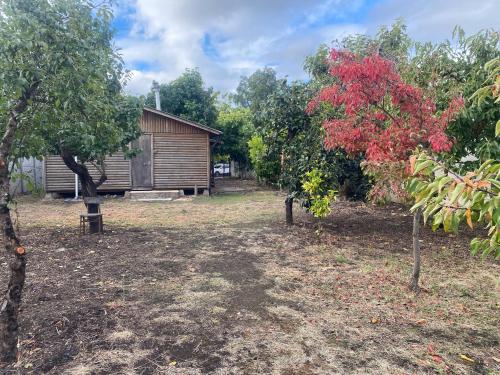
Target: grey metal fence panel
28 172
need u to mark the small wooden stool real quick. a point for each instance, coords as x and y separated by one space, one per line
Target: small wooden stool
88 218
93 214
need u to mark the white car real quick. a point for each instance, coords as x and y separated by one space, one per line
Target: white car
221 169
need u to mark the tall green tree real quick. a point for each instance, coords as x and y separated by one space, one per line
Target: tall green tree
390 42
293 141
449 198
53 55
285 124
253 92
99 120
456 67
237 129
187 97
86 136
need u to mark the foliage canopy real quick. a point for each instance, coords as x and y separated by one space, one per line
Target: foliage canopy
381 116
187 97
449 197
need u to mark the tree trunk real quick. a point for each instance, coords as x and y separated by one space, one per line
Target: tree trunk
417 217
14 252
17 263
289 210
89 187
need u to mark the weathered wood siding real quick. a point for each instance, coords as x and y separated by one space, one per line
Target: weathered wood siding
180 153
58 177
180 160
153 123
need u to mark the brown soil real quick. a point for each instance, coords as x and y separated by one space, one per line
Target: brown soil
220 286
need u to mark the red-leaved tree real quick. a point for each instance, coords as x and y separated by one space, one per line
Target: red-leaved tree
384 119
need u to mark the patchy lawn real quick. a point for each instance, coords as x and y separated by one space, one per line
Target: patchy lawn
220 286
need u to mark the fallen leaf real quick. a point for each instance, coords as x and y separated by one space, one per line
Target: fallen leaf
173 363
437 358
466 359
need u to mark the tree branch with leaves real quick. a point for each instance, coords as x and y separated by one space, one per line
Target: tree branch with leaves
449 198
384 119
52 65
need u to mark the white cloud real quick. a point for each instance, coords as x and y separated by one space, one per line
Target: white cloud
168 36
140 82
435 20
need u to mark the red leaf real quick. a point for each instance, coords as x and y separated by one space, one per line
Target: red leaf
437 358
383 130
430 348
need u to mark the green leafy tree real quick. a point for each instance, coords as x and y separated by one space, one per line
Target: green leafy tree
318 67
89 134
253 92
294 140
287 124
392 43
449 197
53 52
474 130
94 119
456 67
314 187
237 129
266 164
187 97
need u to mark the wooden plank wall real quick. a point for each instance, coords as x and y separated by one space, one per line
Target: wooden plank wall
59 178
180 161
154 123
180 153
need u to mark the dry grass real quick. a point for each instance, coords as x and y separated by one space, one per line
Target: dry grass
220 286
188 212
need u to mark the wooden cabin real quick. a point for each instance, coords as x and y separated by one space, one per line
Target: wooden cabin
175 155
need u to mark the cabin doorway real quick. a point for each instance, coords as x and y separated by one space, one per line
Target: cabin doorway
141 164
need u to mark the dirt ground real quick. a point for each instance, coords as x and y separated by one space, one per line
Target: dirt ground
219 285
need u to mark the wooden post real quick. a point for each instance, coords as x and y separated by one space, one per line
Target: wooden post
93 207
289 210
416 251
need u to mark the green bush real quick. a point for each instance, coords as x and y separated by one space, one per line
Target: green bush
319 195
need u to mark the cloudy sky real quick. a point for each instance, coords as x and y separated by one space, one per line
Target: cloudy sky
226 39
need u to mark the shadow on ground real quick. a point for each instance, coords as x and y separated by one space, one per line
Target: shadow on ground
256 298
